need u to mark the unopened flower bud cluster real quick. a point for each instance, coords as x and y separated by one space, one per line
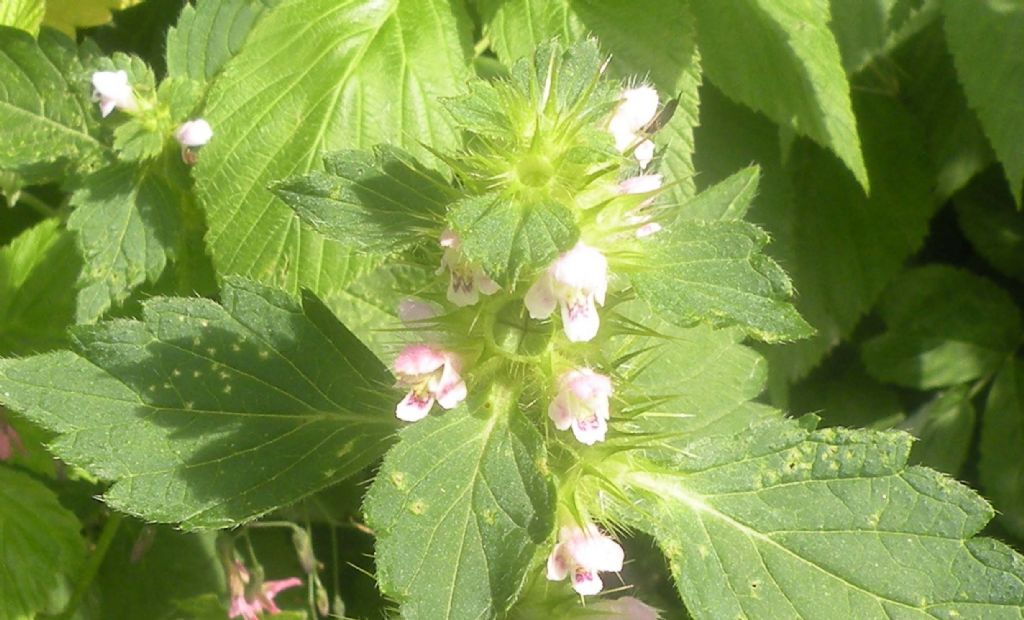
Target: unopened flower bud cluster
112 91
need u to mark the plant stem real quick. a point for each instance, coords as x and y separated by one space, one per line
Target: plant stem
92 565
40 207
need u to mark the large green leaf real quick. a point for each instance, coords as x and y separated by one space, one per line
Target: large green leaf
715 271
945 326
782 60
625 31
840 246
211 414
315 76
128 228
1002 441
208 34
46 116
39 545
986 37
371 200
506 238
37 300
782 522
460 507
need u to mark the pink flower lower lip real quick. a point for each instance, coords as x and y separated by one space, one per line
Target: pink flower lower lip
432 375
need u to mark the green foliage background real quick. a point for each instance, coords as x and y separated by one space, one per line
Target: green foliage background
206 347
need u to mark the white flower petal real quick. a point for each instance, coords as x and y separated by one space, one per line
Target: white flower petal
540 299
412 408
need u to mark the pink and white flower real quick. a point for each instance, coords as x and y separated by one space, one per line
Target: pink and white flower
432 375
191 135
467 281
582 553
624 608
250 600
638 108
112 90
575 281
582 404
413 311
642 184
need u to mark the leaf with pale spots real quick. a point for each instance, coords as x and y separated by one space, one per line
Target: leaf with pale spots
46 118
507 238
211 414
460 507
784 522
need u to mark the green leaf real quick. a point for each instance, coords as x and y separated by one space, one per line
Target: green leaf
211 414
985 37
47 118
865 29
517 27
944 427
373 201
127 228
284 100
716 272
508 238
840 247
728 200
24 15
37 278
923 76
787 67
1002 441
695 382
208 34
945 326
843 394
149 567
783 522
39 545
460 507
993 226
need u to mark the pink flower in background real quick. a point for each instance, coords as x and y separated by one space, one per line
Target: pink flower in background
10 442
641 184
582 404
251 604
625 608
112 90
412 311
638 108
582 553
574 281
467 281
432 374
